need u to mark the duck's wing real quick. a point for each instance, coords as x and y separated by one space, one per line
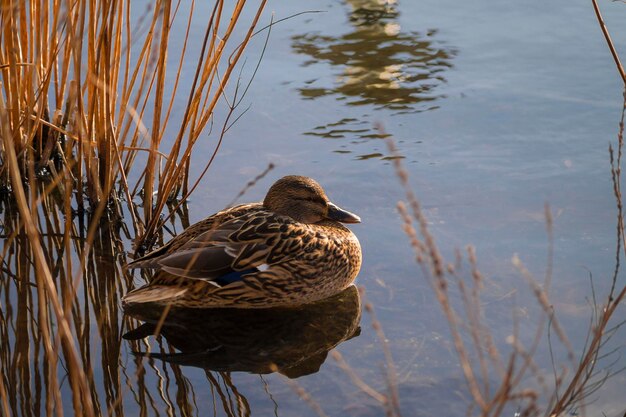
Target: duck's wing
152 259
245 243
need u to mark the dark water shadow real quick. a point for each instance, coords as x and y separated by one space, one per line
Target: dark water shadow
293 341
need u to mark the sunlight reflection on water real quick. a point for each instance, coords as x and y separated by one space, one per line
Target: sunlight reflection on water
376 65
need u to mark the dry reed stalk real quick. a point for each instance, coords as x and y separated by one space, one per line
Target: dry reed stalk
581 384
199 108
616 171
392 405
358 381
431 263
304 395
609 42
390 401
543 300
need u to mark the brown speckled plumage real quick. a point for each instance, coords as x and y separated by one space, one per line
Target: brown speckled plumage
289 250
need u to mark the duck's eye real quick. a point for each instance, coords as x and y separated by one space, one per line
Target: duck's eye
315 200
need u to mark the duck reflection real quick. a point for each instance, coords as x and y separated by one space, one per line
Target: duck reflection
378 62
293 341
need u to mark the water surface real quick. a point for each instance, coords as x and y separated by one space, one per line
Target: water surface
495 111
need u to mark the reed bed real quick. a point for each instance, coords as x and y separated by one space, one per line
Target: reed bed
88 90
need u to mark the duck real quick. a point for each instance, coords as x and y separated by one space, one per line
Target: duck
288 250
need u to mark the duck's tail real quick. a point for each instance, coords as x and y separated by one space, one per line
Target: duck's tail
153 294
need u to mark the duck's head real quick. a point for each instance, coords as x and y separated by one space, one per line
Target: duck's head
304 200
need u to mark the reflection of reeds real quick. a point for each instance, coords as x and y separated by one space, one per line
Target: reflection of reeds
42 325
78 82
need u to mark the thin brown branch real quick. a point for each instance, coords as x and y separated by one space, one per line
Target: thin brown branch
609 42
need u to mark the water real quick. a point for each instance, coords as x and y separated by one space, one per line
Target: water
496 109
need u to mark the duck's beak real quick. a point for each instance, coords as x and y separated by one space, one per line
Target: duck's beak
341 215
